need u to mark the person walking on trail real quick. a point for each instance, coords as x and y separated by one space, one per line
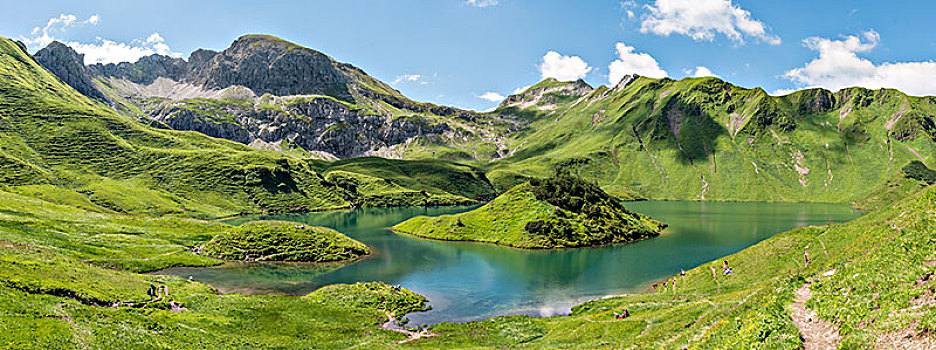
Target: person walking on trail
806 256
714 275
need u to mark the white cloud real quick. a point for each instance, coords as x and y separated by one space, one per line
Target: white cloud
630 62
628 7
521 89
410 78
703 20
102 50
700 72
482 3
108 51
782 92
491 96
839 66
45 35
563 68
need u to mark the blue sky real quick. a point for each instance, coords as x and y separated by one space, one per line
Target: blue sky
463 49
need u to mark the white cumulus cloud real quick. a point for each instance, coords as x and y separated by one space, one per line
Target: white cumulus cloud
839 66
101 50
630 62
43 36
108 51
492 96
703 20
521 89
701 71
482 3
412 78
563 68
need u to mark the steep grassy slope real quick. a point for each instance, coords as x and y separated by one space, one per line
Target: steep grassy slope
870 278
52 135
57 142
558 212
375 181
703 138
283 241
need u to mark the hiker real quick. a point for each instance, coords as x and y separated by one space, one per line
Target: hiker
190 278
682 272
806 256
151 292
714 275
626 313
727 268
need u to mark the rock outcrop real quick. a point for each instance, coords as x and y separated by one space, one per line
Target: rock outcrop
69 66
267 89
270 65
331 126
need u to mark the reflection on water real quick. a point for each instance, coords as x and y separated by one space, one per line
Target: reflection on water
469 281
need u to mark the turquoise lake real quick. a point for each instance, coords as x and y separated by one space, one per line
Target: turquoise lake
471 281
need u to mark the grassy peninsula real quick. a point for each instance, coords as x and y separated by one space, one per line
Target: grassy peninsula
283 241
562 211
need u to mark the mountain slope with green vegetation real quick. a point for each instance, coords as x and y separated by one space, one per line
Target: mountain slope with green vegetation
270 93
871 279
283 241
373 181
706 139
69 279
52 135
558 212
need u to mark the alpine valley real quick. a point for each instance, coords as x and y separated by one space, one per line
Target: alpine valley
110 174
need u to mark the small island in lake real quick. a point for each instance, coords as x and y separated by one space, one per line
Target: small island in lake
558 212
283 241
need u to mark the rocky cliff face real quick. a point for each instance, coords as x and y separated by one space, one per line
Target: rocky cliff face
547 95
270 65
305 97
69 66
324 124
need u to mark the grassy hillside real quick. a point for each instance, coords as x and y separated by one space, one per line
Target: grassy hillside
870 278
58 144
52 135
559 212
283 241
703 138
374 182
68 281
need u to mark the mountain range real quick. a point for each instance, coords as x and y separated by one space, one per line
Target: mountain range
689 139
105 171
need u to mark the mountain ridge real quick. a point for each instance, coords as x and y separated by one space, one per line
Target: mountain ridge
798 147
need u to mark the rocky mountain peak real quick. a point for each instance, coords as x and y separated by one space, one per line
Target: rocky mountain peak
68 65
267 64
547 94
145 70
199 57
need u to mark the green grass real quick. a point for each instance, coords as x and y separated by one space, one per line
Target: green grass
377 182
882 262
559 212
68 280
283 241
52 135
705 139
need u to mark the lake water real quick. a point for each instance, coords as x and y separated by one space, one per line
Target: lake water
470 281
